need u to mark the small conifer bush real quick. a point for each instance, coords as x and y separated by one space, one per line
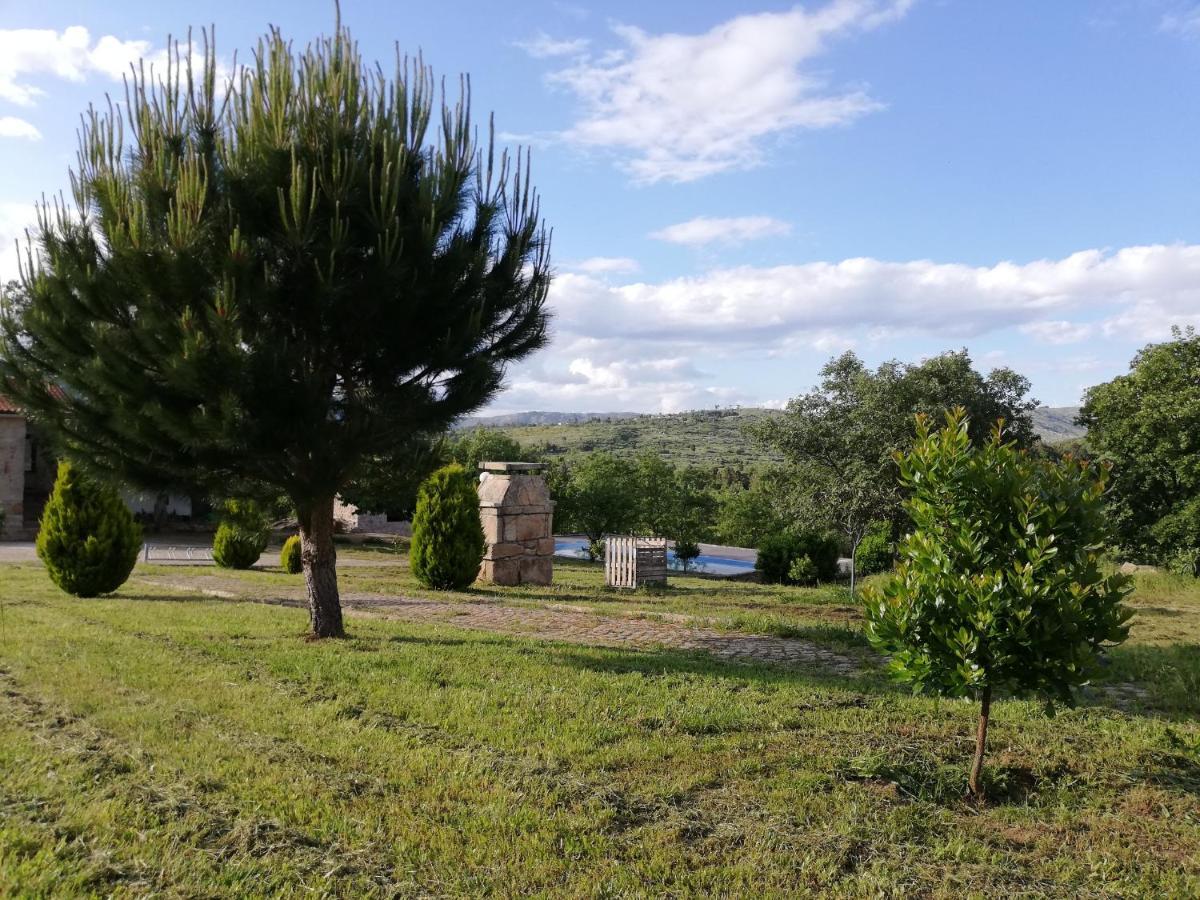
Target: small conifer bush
242 535
289 557
88 539
447 539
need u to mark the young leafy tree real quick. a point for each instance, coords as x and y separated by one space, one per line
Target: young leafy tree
1147 424
259 287
1000 586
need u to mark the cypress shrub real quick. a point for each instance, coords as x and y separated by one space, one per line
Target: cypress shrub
289 556
242 535
447 535
88 538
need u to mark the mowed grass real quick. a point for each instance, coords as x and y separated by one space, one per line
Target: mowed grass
159 742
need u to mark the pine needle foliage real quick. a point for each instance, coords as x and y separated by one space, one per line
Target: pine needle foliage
1001 585
88 539
447 537
259 285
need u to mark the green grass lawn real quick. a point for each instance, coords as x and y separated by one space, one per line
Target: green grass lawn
159 742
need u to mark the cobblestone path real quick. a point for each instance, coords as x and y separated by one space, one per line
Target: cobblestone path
556 624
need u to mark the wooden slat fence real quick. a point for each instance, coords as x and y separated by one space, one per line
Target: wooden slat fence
630 562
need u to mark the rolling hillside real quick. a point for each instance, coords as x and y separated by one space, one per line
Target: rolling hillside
702 437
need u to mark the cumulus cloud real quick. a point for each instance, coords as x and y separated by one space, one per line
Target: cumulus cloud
71 54
1183 21
606 265
12 127
684 106
634 345
542 46
707 230
856 296
1058 331
14 219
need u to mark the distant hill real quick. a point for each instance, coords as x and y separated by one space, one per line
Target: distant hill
1057 423
711 437
536 417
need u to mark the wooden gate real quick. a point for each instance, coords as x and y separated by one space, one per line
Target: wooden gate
630 562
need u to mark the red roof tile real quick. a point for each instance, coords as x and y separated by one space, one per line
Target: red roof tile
7 406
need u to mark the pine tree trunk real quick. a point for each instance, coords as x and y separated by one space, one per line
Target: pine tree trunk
319 558
985 709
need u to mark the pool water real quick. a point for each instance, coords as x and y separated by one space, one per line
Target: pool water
576 548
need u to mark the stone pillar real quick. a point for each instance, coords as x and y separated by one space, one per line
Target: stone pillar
12 474
517 515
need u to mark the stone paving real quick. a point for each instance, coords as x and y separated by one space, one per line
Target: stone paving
552 623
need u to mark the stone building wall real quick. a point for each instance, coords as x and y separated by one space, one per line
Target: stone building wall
12 474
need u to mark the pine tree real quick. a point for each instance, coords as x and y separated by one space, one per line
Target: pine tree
262 288
88 539
447 538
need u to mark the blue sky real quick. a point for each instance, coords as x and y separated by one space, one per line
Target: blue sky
740 191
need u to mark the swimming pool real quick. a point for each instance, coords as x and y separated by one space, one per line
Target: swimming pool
576 548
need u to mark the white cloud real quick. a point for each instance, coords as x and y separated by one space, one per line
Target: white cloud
12 127
606 265
1058 331
1185 22
683 106
26 53
736 230
14 219
868 296
635 346
542 46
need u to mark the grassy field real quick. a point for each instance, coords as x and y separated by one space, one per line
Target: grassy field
160 742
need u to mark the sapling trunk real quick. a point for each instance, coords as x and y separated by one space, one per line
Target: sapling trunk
319 560
985 709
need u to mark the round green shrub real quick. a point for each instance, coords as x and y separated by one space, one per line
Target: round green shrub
777 553
803 571
874 553
289 556
88 538
242 535
447 534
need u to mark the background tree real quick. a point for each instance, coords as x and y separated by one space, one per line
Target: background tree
839 439
1000 586
675 503
388 483
269 284
477 445
595 496
1147 424
746 516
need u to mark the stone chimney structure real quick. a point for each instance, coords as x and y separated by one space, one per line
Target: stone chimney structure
517 516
